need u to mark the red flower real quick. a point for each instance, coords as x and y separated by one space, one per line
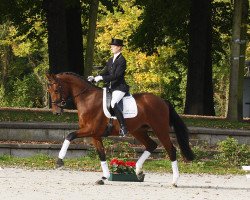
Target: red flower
114 162
122 167
130 163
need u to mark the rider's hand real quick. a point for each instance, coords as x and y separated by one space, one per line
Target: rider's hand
98 78
90 78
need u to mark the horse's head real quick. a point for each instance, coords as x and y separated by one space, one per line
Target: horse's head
57 93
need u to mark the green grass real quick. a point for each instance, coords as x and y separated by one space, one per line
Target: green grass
36 116
216 123
93 164
29 115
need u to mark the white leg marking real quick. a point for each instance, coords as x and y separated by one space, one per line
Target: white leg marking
105 169
175 172
141 160
64 149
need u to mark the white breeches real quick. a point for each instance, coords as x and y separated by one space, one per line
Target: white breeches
116 97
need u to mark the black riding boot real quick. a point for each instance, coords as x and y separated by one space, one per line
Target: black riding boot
120 118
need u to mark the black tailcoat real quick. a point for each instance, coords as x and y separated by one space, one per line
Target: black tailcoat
114 74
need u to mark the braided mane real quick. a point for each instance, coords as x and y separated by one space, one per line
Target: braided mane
74 74
79 77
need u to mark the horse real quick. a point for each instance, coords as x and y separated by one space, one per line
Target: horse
153 113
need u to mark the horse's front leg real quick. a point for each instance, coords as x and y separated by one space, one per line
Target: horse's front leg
102 155
64 148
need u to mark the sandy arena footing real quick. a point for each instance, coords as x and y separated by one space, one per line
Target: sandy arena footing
19 184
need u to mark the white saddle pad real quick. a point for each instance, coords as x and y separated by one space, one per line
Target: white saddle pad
129 106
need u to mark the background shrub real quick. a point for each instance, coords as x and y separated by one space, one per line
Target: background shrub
232 153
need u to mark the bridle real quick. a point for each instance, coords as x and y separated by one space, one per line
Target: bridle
61 102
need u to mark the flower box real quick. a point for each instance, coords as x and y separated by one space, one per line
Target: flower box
122 170
126 177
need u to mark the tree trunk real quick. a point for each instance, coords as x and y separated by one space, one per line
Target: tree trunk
5 62
64 36
74 37
57 35
199 92
91 38
238 50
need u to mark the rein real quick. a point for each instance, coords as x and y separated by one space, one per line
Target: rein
80 93
61 103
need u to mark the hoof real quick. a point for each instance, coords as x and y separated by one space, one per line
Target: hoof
175 180
99 182
59 163
138 171
174 185
140 176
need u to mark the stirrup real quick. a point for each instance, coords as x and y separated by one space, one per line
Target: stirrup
123 132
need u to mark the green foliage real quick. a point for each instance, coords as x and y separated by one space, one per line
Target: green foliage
157 27
232 153
115 149
158 73
202 153
25 62
25 93
161 19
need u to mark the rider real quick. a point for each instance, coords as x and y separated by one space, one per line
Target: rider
114 75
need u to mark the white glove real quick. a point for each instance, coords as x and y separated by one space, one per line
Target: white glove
98 78
90 78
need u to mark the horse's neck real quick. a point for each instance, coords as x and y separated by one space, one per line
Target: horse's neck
81 90
85 95
82 93
89 102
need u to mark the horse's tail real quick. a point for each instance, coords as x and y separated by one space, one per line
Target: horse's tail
181 132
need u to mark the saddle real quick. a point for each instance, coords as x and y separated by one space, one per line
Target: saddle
127 105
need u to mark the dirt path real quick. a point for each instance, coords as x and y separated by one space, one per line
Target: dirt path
19 184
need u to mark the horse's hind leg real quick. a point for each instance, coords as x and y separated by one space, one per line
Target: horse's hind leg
164 138
142 136
97 142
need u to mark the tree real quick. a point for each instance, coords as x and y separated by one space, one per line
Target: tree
199 93
64 36
238 51
5 57
165 21
91 37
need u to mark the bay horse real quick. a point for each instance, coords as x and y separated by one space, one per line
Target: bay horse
153 112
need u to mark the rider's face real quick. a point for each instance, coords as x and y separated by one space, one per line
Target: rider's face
115 49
